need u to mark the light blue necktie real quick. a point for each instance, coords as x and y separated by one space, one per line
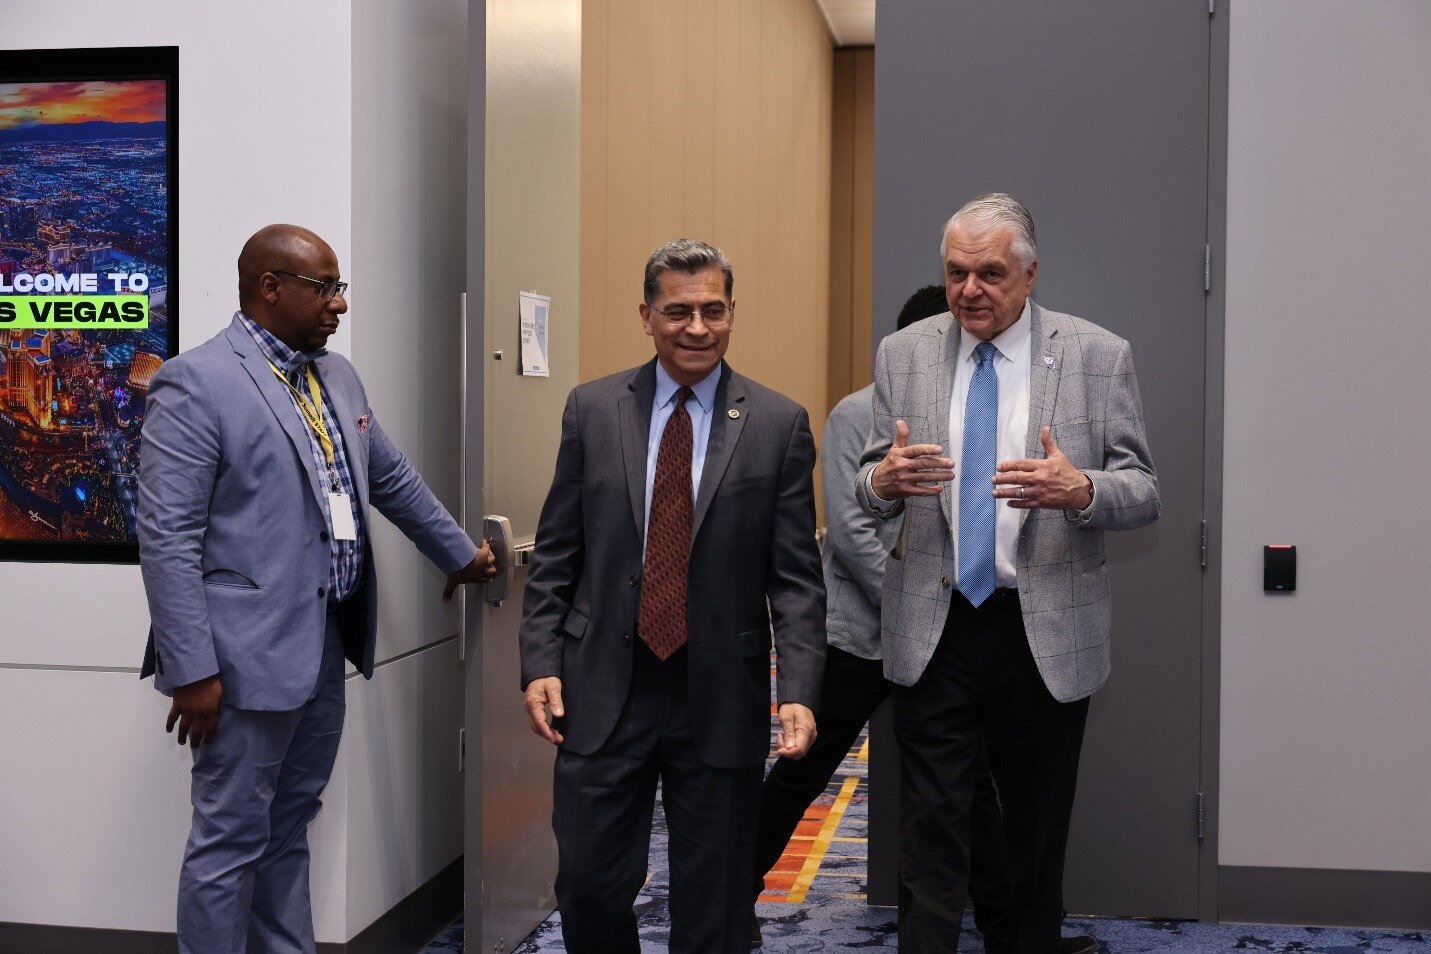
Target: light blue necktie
976 466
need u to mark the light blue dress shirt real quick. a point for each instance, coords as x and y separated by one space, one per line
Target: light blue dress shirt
700 408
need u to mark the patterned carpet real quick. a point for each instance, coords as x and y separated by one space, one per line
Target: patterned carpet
815 900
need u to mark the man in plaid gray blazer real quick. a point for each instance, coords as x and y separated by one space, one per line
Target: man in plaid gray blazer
1018 656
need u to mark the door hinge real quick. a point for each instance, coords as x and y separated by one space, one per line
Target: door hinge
1203 547
461 749
1207 268
1201 818
1210 7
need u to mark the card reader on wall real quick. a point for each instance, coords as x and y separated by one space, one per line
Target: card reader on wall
1279 568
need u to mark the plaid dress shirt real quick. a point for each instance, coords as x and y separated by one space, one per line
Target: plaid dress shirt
345 566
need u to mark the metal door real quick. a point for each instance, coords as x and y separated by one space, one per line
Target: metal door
1096 116
523 176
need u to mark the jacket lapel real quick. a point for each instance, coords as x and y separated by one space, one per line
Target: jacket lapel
947 353
634 411
720 447
1045 372
276 396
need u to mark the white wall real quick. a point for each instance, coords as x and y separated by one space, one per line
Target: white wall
251 153
94 807
1325 759
409 75
348 119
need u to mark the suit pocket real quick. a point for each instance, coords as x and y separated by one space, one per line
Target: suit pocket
575 623
231 578
754 642
745 485
898 552
1076 443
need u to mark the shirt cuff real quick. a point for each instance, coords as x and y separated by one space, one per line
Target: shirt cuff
1086 514
876 501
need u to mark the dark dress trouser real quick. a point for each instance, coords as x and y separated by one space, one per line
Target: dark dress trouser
602 819
983 679
852 689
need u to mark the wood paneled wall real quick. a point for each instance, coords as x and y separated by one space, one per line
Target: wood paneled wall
851 223
710 120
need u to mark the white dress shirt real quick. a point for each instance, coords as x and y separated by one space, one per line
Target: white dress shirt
699 408
1011 366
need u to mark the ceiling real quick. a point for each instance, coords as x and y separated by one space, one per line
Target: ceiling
851 21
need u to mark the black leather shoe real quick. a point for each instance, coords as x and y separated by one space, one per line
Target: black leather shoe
1082 944
755 939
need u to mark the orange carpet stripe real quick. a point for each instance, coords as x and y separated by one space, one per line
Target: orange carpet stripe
792 860
821 845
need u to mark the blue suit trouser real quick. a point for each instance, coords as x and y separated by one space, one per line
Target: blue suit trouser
244 882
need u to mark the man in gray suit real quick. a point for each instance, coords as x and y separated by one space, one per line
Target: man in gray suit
680 527
856 545
997 618
259 461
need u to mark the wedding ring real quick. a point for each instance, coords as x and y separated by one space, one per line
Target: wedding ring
1021 491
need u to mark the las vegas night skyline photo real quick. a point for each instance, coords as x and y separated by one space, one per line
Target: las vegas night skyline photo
84 189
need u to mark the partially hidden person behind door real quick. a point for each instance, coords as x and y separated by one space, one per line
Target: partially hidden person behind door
678 535
259 460
1010 437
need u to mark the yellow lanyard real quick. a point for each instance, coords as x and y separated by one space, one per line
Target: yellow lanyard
312 412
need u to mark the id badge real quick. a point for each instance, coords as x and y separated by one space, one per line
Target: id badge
344 527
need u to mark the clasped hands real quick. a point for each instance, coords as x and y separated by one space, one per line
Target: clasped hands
918 470
797 722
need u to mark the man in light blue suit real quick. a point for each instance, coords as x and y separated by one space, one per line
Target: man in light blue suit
260 458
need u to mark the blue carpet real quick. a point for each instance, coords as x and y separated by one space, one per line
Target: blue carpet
834 917
852 926
815 900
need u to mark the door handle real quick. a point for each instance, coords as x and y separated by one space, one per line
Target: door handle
498 531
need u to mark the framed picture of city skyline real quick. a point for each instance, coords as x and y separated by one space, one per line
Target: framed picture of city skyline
89 174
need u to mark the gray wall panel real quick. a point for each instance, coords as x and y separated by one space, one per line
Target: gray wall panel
1096 117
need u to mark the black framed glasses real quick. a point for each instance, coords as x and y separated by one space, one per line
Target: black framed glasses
714 313
326 290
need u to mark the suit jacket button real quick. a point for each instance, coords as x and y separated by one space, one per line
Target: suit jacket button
323 536
945 581
631 581
320 592
626 639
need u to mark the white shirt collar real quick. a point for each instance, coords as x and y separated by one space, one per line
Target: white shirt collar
705 389
1013 344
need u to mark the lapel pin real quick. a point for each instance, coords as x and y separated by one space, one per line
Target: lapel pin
733 414
1048 360
364 422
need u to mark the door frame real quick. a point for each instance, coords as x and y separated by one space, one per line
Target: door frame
1213 416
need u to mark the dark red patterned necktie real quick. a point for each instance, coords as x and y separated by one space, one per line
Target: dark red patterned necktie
662 619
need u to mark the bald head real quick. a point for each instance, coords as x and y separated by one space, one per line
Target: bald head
274 248
282 270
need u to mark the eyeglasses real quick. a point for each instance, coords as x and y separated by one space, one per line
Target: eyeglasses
326 290
713 313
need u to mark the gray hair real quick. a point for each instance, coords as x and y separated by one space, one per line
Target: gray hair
990 212
684 255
